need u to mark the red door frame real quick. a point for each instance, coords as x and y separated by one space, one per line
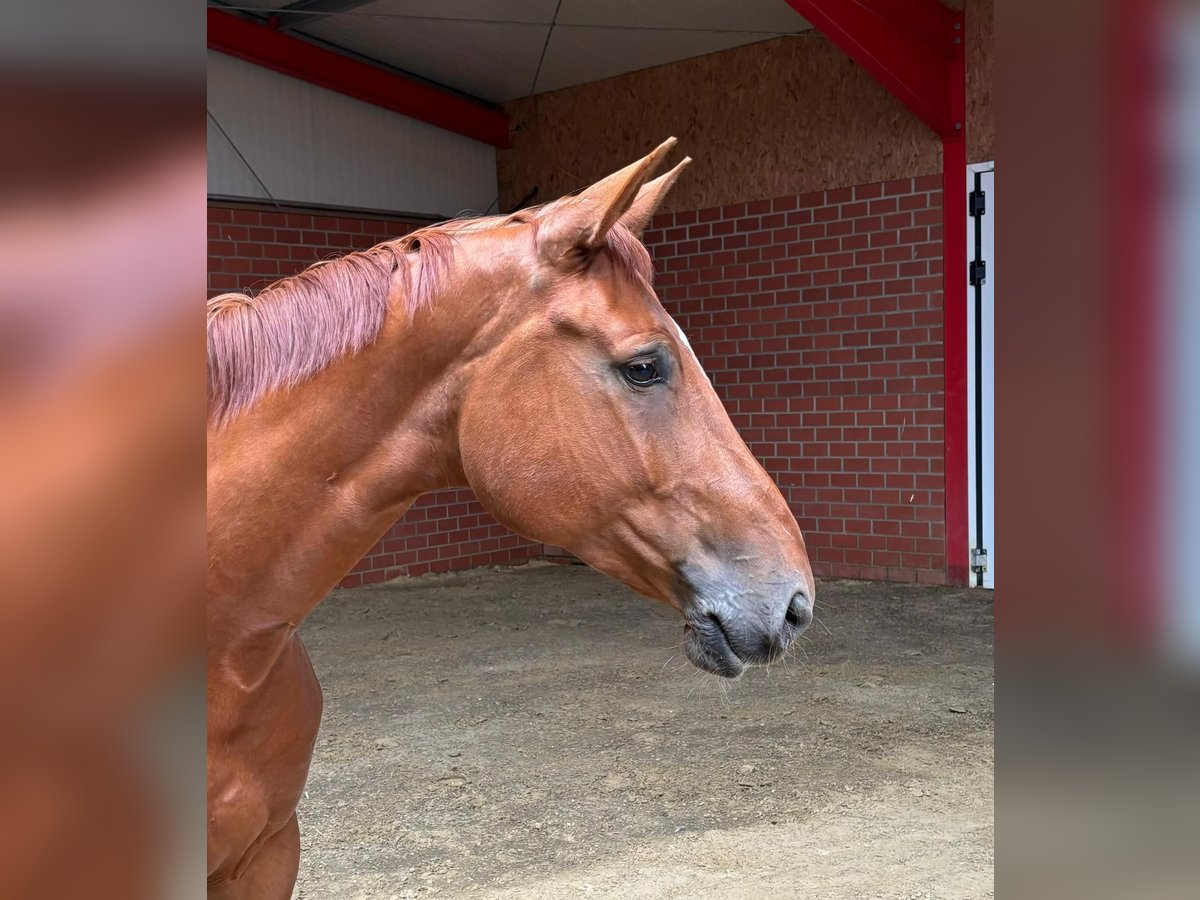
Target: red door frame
914 48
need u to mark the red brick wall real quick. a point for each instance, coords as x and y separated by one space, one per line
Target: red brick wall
820 318
444 531
250 247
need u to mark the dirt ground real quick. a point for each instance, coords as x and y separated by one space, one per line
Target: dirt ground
536 733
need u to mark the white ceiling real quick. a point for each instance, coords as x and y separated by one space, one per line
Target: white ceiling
501 49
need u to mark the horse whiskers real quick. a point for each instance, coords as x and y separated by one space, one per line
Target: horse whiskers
670 659
793 654
822 624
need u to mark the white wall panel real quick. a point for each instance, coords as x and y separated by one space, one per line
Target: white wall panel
311 145
227 174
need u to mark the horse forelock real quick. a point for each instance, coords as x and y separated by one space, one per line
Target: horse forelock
630 254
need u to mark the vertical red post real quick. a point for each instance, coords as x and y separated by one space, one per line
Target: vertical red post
954 316
954 341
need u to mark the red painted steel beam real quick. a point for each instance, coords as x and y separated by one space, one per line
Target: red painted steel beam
954 315
898 42
954 360
928 21
272 49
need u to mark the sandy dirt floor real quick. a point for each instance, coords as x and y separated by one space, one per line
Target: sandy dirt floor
536 733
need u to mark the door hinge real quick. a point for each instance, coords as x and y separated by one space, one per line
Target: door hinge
978 272
979 561
978 203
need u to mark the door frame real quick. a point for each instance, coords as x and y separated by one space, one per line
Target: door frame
974 424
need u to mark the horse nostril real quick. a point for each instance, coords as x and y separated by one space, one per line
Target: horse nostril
799 612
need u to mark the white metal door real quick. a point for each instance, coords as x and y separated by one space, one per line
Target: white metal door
981 370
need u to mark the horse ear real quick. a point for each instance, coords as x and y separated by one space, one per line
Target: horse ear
579 225
649 198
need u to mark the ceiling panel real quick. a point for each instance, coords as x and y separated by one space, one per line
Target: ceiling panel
499 10
538 11
736 15
254 5
488 60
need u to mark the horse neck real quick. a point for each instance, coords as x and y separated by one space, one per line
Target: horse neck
319 473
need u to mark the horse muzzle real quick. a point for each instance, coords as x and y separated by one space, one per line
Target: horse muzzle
728 631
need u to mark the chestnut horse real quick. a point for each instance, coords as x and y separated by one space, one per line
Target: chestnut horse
525 356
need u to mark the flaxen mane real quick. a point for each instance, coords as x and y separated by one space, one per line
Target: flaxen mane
300 325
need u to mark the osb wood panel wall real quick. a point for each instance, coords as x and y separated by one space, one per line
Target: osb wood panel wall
981 123
777 118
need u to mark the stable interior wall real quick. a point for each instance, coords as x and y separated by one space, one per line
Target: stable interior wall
320 153
315 150
272 136
774 119
801 251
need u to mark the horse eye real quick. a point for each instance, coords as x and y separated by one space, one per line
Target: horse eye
642 373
